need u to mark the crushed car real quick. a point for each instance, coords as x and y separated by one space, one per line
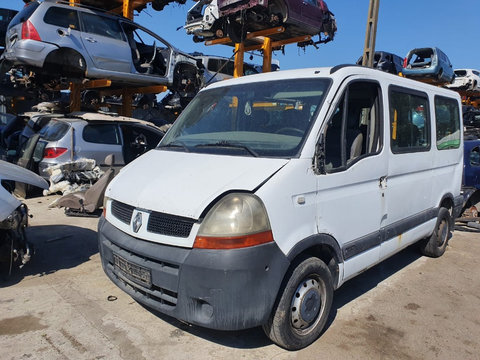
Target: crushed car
466 79
235 18
385 61
15 250
51 43
428 63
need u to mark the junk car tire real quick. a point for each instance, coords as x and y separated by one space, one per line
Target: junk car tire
302 306
436 244
237 31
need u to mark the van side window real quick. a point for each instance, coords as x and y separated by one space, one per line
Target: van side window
355 128
447 122
65 18
409 121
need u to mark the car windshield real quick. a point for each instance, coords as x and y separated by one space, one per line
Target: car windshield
460 73
54 130
255 119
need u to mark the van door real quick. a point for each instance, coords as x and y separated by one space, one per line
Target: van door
351 192
409 182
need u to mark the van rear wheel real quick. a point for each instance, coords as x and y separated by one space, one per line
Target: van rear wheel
303 305
436 244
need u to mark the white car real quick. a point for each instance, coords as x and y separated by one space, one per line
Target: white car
466 79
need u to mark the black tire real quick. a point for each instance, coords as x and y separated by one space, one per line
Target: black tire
302 306
436 244
237 31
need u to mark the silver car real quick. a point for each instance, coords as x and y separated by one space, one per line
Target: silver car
55 40
91 136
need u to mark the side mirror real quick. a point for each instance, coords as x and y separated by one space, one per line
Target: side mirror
319 157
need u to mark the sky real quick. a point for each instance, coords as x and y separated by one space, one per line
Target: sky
453 26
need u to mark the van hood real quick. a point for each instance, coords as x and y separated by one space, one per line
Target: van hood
184 184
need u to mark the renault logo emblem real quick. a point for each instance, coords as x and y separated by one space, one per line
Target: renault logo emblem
137 222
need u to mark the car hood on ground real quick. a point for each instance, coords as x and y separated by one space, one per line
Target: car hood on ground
12 172
184 184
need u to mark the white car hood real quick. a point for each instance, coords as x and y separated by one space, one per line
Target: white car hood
8 171
184 184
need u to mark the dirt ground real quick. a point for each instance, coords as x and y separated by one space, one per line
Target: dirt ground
62 306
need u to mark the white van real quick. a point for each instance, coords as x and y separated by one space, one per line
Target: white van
272 190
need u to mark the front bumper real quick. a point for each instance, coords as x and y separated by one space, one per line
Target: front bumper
217 289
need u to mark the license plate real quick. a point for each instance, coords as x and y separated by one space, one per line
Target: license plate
134 272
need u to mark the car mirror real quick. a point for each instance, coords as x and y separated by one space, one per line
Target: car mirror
12 153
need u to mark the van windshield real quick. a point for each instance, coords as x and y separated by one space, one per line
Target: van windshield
269 119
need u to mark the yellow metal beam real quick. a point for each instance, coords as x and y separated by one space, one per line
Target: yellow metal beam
276 44
238 64
267 54
127 10
250 36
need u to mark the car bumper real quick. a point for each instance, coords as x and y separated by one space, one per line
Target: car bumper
29 52
218 289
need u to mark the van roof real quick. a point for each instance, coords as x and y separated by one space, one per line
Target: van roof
338 72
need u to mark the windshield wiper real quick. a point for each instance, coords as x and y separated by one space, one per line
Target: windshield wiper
176 144
227 144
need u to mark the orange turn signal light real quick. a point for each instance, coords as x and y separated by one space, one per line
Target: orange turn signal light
232 242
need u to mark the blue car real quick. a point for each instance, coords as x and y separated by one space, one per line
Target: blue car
428 63
471 180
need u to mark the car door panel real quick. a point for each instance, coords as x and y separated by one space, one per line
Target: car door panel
105 43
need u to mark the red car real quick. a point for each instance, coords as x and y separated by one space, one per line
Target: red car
237 17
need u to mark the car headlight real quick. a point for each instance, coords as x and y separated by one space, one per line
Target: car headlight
238 220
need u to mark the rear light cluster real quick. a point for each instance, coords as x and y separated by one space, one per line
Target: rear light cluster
29 31
51 153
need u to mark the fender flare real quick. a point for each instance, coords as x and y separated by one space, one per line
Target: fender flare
315 240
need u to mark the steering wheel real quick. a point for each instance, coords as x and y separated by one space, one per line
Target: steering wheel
289 131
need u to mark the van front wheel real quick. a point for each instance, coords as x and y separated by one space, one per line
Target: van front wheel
303 305
436 244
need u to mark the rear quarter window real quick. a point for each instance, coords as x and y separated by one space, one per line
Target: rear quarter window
62 17
54 130
24 14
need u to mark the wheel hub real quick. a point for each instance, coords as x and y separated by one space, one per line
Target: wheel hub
306 304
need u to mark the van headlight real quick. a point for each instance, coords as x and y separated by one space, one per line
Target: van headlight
238 220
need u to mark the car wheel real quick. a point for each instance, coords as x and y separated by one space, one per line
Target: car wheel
436 244
303 305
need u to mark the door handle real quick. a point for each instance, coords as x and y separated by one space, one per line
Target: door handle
382 182
92 40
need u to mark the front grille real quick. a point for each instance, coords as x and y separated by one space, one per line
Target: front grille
170 225
122 212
